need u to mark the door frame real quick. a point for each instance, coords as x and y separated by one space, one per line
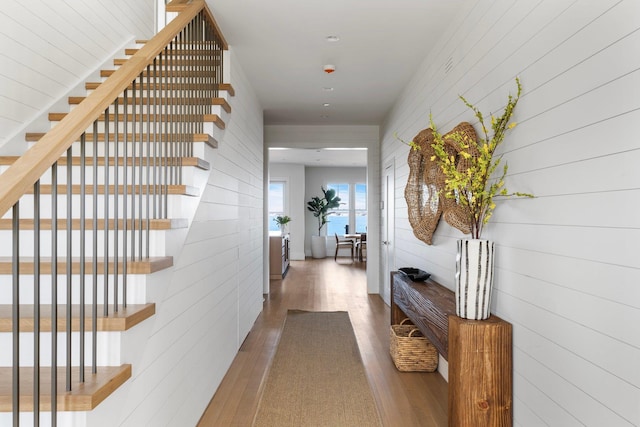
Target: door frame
388 228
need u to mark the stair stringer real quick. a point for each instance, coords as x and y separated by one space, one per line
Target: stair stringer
154 347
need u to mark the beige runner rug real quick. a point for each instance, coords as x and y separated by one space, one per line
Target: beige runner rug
317 377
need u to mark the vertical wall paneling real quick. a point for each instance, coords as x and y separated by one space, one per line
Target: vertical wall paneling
567 269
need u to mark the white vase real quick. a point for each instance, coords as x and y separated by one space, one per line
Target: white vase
474 278
318 246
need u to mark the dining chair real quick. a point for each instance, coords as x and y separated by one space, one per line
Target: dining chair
361 245
343 244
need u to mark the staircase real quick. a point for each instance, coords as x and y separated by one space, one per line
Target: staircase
94 211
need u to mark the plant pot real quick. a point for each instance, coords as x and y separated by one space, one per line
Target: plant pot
318 246
474 278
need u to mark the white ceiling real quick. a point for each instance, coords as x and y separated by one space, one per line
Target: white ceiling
319 157
282 48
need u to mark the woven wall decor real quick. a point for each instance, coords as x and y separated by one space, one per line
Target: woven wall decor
422 190
453 213
423 193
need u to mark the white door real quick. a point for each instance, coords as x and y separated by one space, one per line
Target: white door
388 226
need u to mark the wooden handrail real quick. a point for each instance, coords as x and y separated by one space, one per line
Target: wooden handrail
30 167
180 5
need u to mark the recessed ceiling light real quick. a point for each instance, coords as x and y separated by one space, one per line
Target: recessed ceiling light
326 104
327 89
333 39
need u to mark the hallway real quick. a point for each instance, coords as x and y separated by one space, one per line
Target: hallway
404 399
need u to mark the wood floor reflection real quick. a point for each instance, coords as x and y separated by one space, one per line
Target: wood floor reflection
404 399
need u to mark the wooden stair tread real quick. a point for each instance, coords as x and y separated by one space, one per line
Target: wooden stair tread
177 5
75 161
223 103
45 224
213 118
83 397
121 320
173 189
144 266
228 88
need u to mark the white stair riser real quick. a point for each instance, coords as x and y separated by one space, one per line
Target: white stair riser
221 93
156 243
108 353
174 205
157 109
143 127
161 148
75 419
214 131
136 288
159 175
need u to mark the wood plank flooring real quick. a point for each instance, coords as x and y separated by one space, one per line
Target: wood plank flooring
403 399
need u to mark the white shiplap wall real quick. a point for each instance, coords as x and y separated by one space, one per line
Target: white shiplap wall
222 271
48 46
568 270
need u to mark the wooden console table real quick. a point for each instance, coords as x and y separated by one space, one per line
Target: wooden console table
479 352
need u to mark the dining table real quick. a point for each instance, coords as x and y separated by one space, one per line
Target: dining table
356 237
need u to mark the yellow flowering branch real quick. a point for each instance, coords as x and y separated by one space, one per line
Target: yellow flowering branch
468 171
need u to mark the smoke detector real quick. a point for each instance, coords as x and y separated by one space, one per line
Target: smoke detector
329 68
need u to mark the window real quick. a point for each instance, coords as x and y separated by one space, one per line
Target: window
352 210
339 217
276 203
361 208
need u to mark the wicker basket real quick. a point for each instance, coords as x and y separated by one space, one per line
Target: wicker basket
410 350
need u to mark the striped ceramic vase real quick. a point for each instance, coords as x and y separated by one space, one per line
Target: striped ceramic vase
474 278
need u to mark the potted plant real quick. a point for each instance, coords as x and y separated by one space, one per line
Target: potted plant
320 207
282 221
468 165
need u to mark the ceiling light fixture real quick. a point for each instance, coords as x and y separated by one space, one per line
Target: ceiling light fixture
326 104
327 89
332 39
329 68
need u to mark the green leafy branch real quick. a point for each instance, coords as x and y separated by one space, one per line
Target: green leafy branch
412 144
282 220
